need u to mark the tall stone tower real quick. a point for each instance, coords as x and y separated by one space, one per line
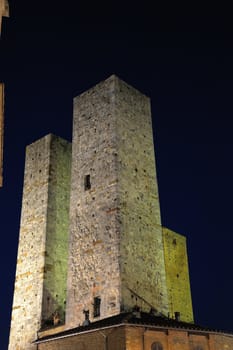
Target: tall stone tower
116 256
40 285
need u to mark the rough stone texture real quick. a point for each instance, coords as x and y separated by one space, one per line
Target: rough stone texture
56 255
40 286
143 279
4 11
1 130
141 338
116 246
112 339
177 275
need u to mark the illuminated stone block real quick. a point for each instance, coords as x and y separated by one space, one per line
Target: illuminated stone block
177 275
40 283
4 11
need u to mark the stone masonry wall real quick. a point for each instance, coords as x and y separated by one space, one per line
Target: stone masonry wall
141 338
106 339
143 276
177 275
36 223
56 254
94 238
116 248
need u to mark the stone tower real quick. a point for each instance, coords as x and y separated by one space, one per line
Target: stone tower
177 275
40 285
116 256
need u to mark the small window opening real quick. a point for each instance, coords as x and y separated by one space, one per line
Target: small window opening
96 306
156 346
87 182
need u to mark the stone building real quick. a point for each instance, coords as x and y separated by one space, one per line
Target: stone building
136 331
4 11
95 267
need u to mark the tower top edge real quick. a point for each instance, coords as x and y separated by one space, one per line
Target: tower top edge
169 231
48 137
112 80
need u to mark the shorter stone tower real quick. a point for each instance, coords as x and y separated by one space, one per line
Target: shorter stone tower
40 284
177 276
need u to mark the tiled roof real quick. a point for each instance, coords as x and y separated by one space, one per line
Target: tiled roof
133 318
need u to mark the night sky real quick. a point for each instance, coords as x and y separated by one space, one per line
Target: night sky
182 58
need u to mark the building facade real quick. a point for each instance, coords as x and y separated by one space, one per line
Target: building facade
95 266
4 11
137 332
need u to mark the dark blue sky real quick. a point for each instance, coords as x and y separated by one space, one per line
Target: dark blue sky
180 56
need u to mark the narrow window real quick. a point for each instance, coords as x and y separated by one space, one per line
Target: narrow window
87 182
96 306
156 346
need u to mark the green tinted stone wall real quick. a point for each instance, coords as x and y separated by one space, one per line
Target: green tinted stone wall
143 279
56 254
177 273
42 250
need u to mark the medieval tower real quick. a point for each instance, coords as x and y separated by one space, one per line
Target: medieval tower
40 283
91 242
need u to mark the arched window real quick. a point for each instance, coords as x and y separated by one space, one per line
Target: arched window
156 346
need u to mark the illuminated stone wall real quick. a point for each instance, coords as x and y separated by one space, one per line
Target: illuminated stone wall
141 338
143 280
40 284
109 339
177 275
4 11
116 247
56 255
